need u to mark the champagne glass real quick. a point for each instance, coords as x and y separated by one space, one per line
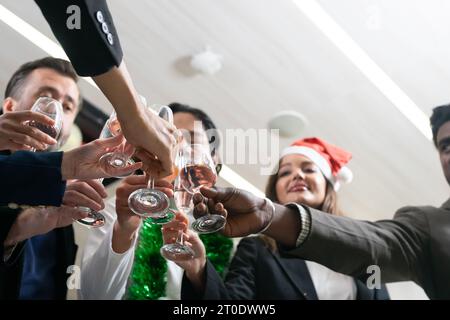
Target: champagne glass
109 163
118 158
149 202
94 219
178 250
53 109
198 170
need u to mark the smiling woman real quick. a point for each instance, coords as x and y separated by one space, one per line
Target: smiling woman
310 173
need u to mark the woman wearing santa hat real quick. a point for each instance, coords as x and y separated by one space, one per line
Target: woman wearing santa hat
310 172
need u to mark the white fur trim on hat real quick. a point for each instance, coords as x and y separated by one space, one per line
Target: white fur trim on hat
314 156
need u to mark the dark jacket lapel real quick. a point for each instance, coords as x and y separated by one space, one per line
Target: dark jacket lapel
364 293
296 271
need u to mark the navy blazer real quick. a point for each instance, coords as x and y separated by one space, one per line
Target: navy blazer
94 48
256 273
31 178
11 271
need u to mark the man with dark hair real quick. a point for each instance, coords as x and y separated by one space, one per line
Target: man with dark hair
36 268
44 77
47 77
412 246
440 116
200 115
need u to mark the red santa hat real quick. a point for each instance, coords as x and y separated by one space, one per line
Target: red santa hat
330 159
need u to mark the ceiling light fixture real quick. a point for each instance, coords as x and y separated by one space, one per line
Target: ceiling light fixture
290 123
207 61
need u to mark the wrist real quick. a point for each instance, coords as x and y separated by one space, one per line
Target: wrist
67 166
269 208
19 231
133 111
196 273
122 238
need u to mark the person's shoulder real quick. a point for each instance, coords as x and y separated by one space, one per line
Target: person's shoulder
419 216
414 210
251 243
251 240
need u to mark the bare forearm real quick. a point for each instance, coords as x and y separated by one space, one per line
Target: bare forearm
196 276
22 228
122 238
117 86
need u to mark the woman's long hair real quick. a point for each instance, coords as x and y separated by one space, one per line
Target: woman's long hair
330 205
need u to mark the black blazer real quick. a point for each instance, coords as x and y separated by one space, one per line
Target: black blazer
256 273
11 271
94 48
28 178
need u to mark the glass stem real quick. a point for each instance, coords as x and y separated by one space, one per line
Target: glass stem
180 237
151 183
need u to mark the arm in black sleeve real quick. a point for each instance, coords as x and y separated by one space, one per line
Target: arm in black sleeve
94 48
30 178
239 283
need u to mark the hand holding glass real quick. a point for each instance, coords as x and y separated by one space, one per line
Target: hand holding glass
53 109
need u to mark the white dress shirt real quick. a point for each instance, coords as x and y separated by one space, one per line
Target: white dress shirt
104 273
331 285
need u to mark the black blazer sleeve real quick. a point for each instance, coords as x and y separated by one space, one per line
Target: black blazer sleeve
240 280
94 48
30 178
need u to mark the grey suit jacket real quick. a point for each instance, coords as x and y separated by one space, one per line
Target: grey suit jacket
415 245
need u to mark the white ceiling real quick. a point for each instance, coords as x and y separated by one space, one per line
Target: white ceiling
276 59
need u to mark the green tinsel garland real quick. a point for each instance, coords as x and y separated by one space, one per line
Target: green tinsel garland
149 274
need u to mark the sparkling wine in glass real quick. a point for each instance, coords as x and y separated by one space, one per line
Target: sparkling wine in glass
195 176
199 171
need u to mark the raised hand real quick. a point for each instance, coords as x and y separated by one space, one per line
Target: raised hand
15 134
193 267
245 213
127 222
85 193
83 162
